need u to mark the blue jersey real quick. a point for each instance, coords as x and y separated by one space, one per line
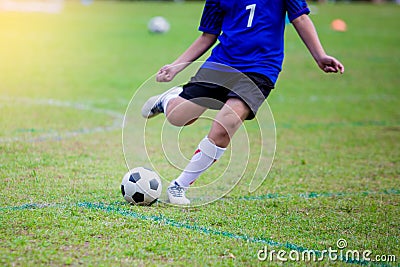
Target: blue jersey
250 33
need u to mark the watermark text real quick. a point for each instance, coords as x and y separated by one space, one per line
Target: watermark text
339 253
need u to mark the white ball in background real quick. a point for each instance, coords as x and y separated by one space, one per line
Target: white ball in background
158 25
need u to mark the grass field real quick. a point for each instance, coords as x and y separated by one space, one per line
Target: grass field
66 80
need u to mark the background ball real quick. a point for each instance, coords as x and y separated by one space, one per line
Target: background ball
158 25
141 186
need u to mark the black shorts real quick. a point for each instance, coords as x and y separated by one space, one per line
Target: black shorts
211 89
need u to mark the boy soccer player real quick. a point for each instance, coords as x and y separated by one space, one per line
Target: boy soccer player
249 55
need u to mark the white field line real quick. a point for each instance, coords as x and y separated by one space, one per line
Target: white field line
115 125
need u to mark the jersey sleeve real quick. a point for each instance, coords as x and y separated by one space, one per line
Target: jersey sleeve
296 8
211 20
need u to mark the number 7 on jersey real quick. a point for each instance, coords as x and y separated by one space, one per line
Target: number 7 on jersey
251 16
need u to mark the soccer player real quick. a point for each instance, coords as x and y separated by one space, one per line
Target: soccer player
239 74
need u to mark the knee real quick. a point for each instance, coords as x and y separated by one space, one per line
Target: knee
220 134
230 122
224 127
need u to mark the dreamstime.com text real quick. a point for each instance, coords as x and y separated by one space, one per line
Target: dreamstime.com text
340 253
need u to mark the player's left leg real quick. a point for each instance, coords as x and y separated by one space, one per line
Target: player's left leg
182 112
158 104
211 148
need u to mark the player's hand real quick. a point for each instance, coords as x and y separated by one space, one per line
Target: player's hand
330 64
166 73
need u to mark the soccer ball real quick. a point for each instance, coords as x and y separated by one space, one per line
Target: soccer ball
158 25
141 186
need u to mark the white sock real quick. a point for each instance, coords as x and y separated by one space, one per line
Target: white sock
206 154
167 98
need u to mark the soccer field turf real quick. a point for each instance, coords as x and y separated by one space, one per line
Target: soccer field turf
66 80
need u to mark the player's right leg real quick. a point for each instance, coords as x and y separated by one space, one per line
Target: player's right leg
179 111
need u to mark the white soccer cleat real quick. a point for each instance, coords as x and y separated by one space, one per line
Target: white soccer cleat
176 195
154 105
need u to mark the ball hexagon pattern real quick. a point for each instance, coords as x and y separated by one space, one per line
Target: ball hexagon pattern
141 186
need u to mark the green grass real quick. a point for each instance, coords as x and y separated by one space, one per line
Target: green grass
66 80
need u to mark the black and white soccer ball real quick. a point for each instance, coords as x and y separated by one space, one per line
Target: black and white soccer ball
158 25
141 186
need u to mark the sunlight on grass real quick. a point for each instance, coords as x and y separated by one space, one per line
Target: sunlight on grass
71 76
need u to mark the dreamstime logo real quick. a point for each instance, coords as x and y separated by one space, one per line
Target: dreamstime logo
167 149
340 253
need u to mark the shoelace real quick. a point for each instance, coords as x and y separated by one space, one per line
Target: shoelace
176 191
157 108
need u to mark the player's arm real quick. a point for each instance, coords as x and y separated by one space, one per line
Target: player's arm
196 50
210 25
306 30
